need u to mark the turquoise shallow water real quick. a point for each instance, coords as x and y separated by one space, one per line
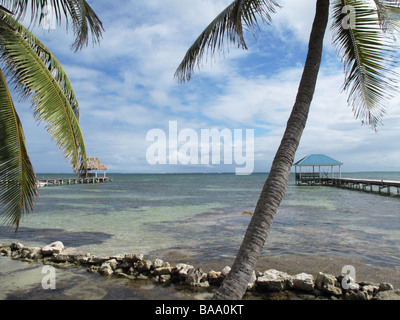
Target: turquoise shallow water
197 218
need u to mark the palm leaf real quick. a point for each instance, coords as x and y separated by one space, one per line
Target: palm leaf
21 7
18 188
84 20
5 10
229 24
389 15
51 62
32 77
367 53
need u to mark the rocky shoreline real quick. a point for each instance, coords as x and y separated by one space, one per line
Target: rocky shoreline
270 284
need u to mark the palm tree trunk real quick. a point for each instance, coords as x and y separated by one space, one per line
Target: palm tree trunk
234 286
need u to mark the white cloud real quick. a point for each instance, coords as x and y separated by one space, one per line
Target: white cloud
296 16
259 102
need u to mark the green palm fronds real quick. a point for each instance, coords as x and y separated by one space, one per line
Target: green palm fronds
389 15
51 62
367 52
85 22
34 72
229 24
17 178
32 77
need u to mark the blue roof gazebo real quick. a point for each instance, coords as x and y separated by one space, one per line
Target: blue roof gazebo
316 162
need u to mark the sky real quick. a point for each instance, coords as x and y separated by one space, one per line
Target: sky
127 93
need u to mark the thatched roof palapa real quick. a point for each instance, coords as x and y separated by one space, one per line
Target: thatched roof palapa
95 164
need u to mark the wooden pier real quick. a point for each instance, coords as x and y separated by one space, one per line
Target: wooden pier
316 162
61 181
385 187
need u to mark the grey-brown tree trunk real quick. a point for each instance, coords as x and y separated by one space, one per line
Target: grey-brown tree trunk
234 286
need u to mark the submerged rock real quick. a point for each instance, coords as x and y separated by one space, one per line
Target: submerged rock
106 269
189 275
5 251
93 269
384 286
225 271
133 257
55 247
274 280
126 276
328 283
31 253
144 266
356 295
71 255
215 278
164 278
181 269
370 290
162 271
97 260
388 295
195 277
303 282
16 246
158 263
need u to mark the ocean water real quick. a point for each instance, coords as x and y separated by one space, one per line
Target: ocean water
201 219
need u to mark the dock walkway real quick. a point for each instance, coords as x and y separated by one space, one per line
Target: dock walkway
388 187
61 181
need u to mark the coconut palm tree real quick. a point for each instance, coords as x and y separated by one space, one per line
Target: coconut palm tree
33 71
364 35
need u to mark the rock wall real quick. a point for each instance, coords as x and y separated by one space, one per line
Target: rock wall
271 283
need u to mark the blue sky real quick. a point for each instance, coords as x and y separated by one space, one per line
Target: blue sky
126 87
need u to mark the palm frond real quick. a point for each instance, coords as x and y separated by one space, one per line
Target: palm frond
32 77
51 62
389 15
5 10
367 53
85 22
228 25
18 188
20 7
